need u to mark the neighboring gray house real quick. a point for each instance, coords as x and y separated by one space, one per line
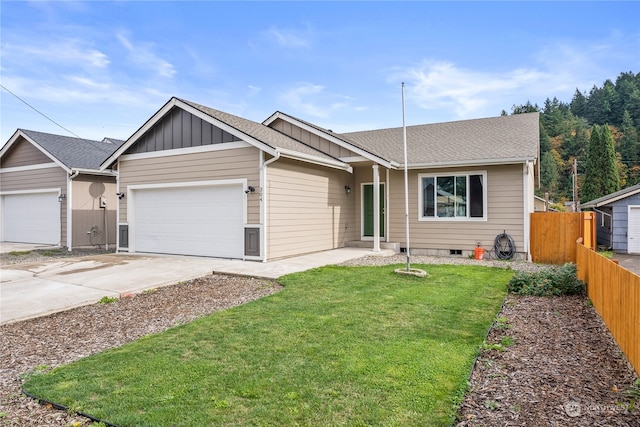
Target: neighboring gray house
53 193
198 181
618 216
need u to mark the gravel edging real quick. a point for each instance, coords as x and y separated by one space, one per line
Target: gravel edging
562 354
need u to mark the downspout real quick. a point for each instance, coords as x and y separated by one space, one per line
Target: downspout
526 208
70 209
263 200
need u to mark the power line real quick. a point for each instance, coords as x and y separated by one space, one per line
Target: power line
40 112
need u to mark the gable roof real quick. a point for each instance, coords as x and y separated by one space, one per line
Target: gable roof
336 138
495 140
69 153
613 197
256 134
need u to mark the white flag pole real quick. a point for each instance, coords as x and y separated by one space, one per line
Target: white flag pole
406 181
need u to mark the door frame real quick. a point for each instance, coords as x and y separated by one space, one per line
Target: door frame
632 208
383 205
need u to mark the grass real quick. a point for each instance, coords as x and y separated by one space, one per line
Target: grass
19 253
337 346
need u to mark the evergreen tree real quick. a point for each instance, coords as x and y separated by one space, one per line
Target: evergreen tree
548 173
545 141
601 172
578 104
629 143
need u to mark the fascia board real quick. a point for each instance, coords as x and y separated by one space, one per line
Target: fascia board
611 200
18 134
95 172
315 160
329 137
196 112
485 162
230 129
141 131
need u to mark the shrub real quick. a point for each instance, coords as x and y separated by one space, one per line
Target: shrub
549 282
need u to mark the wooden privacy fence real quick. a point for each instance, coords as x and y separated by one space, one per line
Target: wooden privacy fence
615 293
553 235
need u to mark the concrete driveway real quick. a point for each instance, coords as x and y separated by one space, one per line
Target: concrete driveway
31 290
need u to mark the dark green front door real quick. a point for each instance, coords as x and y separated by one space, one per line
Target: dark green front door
367 210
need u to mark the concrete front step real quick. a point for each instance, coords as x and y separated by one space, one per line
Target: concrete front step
394 246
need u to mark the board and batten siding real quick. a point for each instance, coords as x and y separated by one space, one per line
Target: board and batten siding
23 153
234 163
308 209
47 178
87 213
504 211
311 139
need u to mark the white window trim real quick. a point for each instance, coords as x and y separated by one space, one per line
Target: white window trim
454 219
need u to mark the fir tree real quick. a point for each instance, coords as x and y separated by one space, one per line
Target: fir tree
548 173
601 171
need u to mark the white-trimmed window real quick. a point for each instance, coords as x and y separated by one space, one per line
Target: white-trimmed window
459 196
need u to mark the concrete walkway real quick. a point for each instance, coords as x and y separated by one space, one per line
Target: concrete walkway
32 290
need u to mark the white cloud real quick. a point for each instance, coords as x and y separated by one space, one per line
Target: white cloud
438 85
71 52
290 38
303 99
142 55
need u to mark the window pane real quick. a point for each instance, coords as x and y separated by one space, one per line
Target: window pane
428 197
461 196
446 196
476 198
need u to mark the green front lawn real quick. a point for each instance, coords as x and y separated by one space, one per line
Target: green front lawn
337 346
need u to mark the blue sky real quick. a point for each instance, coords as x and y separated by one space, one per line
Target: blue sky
103 68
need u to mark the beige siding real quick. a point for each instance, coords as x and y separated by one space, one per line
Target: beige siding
308 209
87 213
214 165
23 153
504 212
37 179
311 139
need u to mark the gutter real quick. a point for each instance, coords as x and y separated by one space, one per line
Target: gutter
312 159
466 163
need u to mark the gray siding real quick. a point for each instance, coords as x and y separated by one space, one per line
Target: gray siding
504 212
620 221
23 153
180 129
308 209
311 139
603 227
53 177
87 213
207 166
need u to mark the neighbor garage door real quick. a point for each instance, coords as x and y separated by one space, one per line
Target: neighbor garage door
204 220
31 218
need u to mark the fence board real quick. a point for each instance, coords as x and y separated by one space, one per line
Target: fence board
615 294
553 235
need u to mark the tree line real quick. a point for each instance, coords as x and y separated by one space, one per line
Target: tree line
598 132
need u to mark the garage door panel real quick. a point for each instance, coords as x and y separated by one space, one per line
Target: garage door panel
199 220
31 218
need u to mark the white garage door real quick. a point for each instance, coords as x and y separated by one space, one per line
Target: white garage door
194 220
31 218
633 230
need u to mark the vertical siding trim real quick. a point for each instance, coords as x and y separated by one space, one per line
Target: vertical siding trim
263 206
70 211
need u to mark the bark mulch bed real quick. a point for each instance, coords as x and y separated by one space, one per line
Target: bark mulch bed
559 365
553 363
